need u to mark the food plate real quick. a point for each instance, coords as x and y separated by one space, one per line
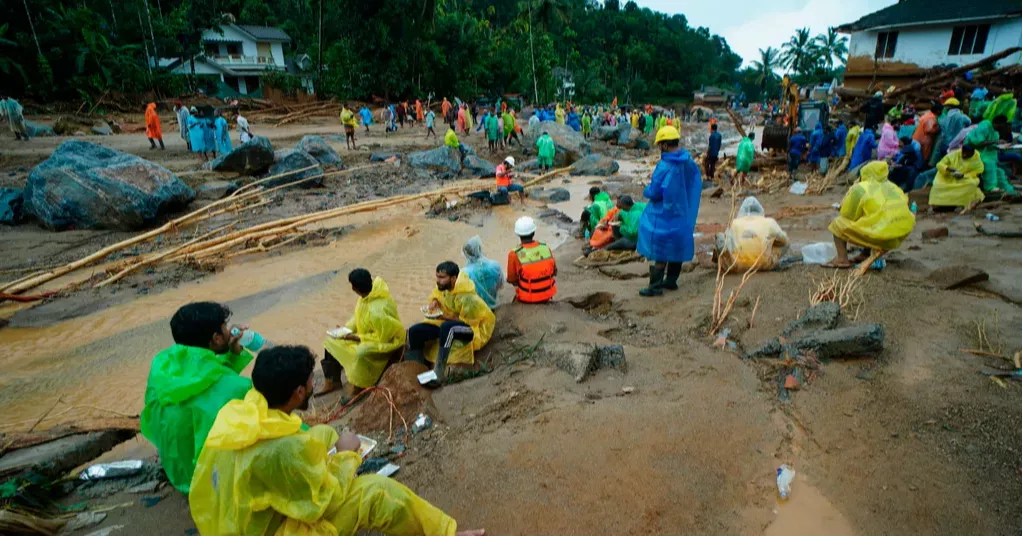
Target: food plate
367 447
338 333
426 378
431 314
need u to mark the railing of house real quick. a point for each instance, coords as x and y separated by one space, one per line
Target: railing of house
244 60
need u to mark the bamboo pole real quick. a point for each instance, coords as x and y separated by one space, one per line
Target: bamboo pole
261 181
153 259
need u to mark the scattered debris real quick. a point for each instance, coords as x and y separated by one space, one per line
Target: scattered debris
83 520
580 359
785 476
111 470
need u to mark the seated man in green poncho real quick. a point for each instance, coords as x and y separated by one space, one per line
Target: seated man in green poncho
592 214
188 384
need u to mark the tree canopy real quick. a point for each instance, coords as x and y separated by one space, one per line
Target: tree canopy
53 49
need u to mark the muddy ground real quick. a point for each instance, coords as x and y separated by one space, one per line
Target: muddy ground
912 441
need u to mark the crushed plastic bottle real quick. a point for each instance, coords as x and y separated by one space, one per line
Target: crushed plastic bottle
879 264
993 217
785 475
914 208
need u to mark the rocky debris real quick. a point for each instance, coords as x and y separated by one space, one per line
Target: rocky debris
56 458
957 276
624 133
289 160
35 129
478 167
251 158
12 202
549 195
444 161
215 190
613 134
102 129
410 398
320 150
570 145
937 233
581 359
553 215
88 186
638 143
597 303
531 165
823 316
815 333
384 156
595 164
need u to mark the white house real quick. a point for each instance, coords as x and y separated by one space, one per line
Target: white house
239 54
897 44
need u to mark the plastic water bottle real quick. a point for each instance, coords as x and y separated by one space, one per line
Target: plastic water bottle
879 264
250 339
785 475
913 207
993 217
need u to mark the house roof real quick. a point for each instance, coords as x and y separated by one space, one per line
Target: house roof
924 12
264 33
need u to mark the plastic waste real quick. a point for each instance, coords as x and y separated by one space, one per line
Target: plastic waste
798 188
112 469
422 422
993 217
251 339
879 264
785 475
818 253
914 208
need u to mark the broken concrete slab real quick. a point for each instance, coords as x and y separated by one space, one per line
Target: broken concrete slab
56 458
847 342
580 359
823 316
957 276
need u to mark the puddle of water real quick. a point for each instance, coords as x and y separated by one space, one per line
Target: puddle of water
807 512
102 359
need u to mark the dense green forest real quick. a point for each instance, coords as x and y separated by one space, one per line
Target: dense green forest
64 49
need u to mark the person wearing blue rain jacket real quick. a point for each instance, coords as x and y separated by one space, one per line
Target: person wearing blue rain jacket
815 139
667 224
367 117
223 134
864 147
209 135
196 136
574 121
840 134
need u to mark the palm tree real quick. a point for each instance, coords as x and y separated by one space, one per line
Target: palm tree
8 65
797 51
832 45
768 61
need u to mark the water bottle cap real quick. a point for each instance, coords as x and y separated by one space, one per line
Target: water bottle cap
235 332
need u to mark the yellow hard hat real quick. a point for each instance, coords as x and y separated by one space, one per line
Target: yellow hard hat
667 134
952 102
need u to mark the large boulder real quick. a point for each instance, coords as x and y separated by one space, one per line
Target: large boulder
289 160
445 161
624 133
38 129
478 167
320 150
531 165
571 145
549 195
250 158
12 201
102 129
597 164
88 186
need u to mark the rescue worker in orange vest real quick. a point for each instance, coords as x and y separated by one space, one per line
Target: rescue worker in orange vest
531 267
504 180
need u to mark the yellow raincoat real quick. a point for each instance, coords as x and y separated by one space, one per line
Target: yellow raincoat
379 328
851 139
559 115
753 239
875 211
463 302
261 474
949 191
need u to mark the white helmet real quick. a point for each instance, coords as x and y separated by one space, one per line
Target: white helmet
525 226
510 161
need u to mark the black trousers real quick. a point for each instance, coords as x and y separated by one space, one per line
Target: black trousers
447 333
331 367
711 166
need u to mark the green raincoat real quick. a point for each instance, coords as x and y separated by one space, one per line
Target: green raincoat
509 123
746 154
492 128
601 204
649 124
630 221
187 387
546 148
1005 105
587 124
984 138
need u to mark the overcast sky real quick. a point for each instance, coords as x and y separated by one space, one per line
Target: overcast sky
749 25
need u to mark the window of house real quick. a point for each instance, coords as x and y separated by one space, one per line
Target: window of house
886 43
969 39
212 49
234 49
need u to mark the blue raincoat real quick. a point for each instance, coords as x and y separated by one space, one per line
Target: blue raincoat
196 134
367 116
208 136
815 139
223 136
840 133
667 224
574 121
485 273
864 146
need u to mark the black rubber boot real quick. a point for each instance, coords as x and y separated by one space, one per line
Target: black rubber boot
440 368
656 279
416 356
671 280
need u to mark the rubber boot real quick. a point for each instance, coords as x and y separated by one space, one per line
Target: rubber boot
416 356
656 278
671 280
440 368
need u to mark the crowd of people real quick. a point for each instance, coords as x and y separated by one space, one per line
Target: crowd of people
206 133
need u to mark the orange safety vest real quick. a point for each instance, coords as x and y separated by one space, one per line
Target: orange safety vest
536 275
503 178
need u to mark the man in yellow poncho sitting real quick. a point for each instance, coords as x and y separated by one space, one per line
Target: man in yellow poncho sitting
455 313
375 332
263 472
874 214
752 239
188 384
957 180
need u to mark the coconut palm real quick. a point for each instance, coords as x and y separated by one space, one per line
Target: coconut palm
798 53
832 45
768 61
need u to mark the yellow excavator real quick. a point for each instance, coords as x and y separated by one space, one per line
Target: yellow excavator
793 112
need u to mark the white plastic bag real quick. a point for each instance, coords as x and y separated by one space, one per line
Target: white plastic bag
819 253
798 188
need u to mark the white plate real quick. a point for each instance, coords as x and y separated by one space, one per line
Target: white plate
367 447
338 333
427 377
430 314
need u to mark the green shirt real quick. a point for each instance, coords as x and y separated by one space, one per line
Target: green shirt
630 221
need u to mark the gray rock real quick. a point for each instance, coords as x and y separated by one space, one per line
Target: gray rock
214 190
580 359
595 164
444 161
320 150
608 133
102 129
88 186
531 165
550 195
38 129
624 133
639 144
478 167
570 145
846 342
251 158
12 202
823 316
289 160
383 156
